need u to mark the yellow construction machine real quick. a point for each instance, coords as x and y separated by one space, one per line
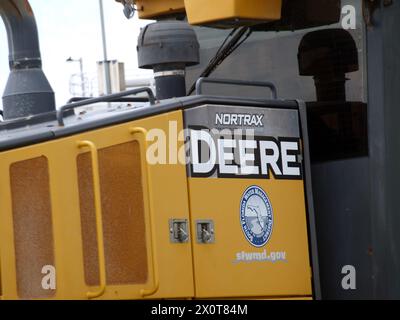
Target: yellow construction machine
224 183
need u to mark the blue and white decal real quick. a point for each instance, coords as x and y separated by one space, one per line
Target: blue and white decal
256 216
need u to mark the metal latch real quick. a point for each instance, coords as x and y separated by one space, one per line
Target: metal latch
205 231
178 230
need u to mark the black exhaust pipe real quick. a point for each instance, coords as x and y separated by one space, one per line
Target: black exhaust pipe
28 91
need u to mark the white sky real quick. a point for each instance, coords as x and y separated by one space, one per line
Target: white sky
72 28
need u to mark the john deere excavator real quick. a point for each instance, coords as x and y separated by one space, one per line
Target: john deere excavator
264 166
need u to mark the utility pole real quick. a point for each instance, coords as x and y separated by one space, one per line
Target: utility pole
82 76
80 60
106 63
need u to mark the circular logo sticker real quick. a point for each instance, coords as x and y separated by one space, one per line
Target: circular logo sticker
256 216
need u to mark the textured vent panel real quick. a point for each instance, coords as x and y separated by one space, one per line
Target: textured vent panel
123 215
33 233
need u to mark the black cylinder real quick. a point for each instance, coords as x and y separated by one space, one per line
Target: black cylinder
168 47
331 88
170 81
27 91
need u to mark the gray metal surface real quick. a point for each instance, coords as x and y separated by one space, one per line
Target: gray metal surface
356 200
343 221
27 91
276 122
309 191
263 84
384 165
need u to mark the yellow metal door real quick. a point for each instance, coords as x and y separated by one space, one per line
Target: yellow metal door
231 266
247 202
92 207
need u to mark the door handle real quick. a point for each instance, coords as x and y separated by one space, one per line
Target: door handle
205 232
99 218
156 285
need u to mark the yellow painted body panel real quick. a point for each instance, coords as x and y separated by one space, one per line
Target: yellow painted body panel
210 11
216 272
153 9
188 270
174 270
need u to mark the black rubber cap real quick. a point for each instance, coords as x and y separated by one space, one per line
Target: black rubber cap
168 42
